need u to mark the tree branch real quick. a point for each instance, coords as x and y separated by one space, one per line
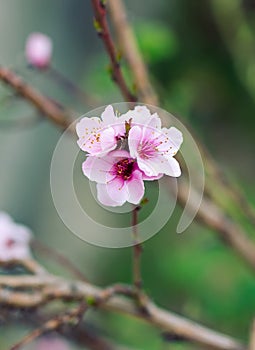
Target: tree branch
58 257
45 105
51 325
104 32
43 289
127 43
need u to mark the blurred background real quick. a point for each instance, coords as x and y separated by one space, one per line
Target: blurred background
201 58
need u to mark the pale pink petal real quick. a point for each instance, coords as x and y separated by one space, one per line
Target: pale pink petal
151 167
92 146
108 116
94 137
108 139
134 140
86 128
139 115
160 165
174 140
151 178
119 128
104 198
119 154
155 121
135 188
174 168
149 134
117 190
98 169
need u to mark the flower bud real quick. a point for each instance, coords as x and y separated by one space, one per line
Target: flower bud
38 50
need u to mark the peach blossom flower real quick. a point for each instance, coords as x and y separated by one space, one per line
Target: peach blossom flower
125 150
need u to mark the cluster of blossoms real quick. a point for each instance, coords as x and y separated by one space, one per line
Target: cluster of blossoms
14 239
125 150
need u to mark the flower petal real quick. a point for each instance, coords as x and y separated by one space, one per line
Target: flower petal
87 126
159 165
151 178
135 188
150 167
108 116
139 115
104 198
173 138
174 168
108 140
98 169
134 140
117 190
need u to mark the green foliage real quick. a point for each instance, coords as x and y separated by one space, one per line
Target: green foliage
156 41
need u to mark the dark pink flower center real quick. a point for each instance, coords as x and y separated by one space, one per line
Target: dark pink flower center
124 168
9 243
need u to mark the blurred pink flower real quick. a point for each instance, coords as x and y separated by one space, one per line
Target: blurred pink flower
38 50
154 149
52 344
14 239
118 178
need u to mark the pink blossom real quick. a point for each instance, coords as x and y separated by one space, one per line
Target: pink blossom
118 178
141 115
98 136
154 149
125 150
38 50
52 344
14 239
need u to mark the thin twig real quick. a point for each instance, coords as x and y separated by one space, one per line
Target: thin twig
45 105
58 257
22 123
72 316
127 43
70 86
137 250
104 32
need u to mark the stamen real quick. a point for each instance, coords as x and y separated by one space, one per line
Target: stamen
124 168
